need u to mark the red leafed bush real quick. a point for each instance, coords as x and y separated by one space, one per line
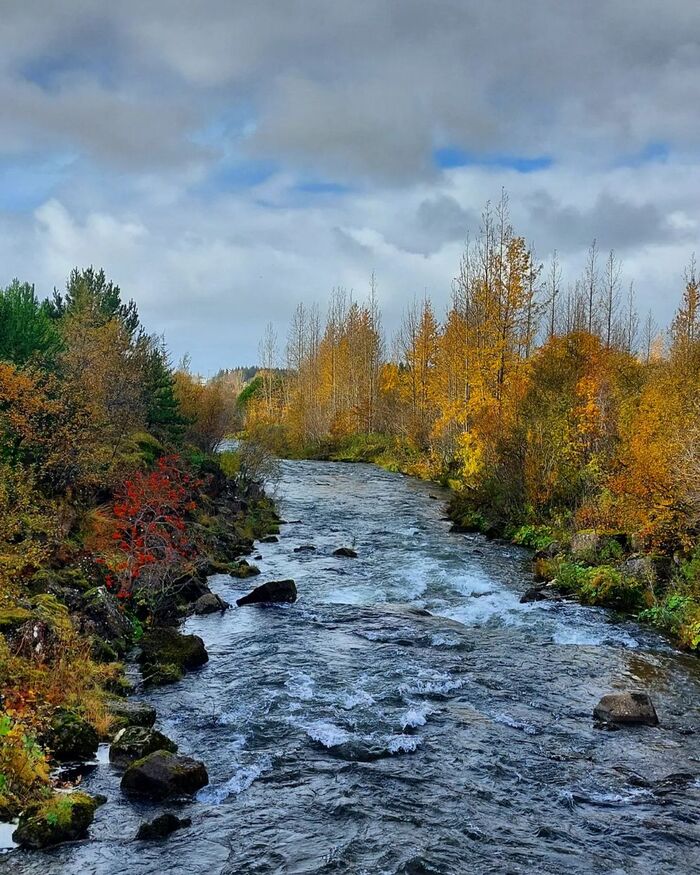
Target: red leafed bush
153 539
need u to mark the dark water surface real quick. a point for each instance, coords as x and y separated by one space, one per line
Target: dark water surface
351 733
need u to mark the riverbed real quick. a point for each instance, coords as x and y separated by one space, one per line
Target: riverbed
408 714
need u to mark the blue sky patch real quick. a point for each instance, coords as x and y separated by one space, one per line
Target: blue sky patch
449 157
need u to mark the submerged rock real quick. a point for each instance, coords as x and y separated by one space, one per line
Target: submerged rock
163 774
127 713
70 738
627 709
210 604
162 826
540 593
347 552
274 591
63 818
305 548
135 742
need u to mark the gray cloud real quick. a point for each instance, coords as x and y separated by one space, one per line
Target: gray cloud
620 223
149 106
438 220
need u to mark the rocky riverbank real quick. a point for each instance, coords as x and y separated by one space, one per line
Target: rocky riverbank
72 605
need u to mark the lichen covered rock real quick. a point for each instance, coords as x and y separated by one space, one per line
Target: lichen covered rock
135 742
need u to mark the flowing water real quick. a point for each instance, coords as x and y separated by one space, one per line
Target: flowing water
353 732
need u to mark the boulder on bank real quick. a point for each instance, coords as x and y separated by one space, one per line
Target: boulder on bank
102 616
269 539
70 738
347 552
166 654
64 817
272 592
585 545
125 712
162 826
135 742
626 709
210 603
162 774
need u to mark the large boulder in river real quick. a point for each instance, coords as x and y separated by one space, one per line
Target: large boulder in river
627 709
346 552
126 712
210 603
274 591
64 817
136 742
162 774
166 654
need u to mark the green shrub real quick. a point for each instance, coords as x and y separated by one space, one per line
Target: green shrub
534 537
607 587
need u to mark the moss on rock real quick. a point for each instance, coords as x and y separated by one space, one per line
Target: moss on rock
62 818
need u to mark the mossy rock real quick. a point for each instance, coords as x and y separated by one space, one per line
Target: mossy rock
62 818
162 674
244 569
70 738
162 774
125 712
135 742
164 646
13 618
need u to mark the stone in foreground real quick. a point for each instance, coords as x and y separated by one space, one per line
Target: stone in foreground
162 774
162 826
136 742
626 709
63 818
274 591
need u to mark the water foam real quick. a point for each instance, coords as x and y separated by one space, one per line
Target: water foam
242 778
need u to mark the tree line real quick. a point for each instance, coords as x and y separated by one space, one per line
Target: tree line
540 403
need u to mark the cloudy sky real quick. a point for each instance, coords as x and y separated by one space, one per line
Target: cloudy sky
224 159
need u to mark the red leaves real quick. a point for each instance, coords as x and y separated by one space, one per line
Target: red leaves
151 529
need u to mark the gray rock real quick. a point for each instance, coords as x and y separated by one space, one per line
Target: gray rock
584 545
275 591
126 712
210 603
347 552
626 709
135 742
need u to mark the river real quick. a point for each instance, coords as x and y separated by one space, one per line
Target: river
353 733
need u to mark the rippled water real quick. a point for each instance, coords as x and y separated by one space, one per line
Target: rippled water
354 733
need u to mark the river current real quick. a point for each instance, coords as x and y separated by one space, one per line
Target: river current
409 715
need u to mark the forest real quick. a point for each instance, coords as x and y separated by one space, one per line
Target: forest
112 511
559 417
